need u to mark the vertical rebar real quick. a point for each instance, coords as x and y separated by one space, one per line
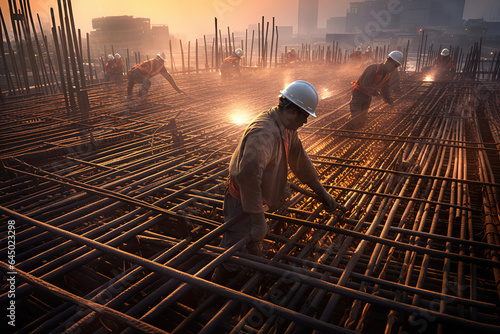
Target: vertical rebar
10 84
65 57
90 60
246 47
258 44
171 56
206 53
216 48
45 75
59 61
276 49
20 48
182 55
251 47
264 44
272 44
196 53
189 55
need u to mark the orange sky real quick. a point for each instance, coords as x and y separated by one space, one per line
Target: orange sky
190 17
193 18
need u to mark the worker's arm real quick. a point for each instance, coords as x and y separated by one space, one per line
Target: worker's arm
256 152
386 94
395 81
302 167
169 78
367 78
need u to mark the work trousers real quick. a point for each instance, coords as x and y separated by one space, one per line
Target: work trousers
232 208
359 105
227 70
136 76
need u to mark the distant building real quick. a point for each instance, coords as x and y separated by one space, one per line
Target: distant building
285 34
308 17
127 32
372 16
435 13
336 25
160 35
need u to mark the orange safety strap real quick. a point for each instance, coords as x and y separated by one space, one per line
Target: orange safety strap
145 70
232 59
234 190
378 82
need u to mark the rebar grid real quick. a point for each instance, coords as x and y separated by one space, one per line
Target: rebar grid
123 207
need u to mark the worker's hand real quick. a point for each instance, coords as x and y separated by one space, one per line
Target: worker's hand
331 205
259 226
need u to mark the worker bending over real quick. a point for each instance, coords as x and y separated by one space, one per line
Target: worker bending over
141 73
375 80
231 65
259 167
444 67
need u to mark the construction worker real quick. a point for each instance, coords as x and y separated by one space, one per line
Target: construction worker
109 67
368 56
141 73
259 167
444 67
374 80
231 64
117 68
291 56
357 55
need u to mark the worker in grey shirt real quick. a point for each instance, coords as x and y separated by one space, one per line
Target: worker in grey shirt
259 167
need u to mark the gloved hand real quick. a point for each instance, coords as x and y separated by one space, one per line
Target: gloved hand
259 227
330 204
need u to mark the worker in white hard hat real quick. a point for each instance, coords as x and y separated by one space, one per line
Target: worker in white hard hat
141 73
115 70
231 65
374 80
444 67
109 67
258 170
291 56
357 56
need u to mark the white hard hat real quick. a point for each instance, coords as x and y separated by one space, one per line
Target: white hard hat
117 56
110 57
397 56
302 94
160 58
239 52
369 48
445 52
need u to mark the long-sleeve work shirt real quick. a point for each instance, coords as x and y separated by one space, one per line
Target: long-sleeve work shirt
374 80
259 164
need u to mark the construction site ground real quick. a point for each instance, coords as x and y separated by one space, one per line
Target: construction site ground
116 209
